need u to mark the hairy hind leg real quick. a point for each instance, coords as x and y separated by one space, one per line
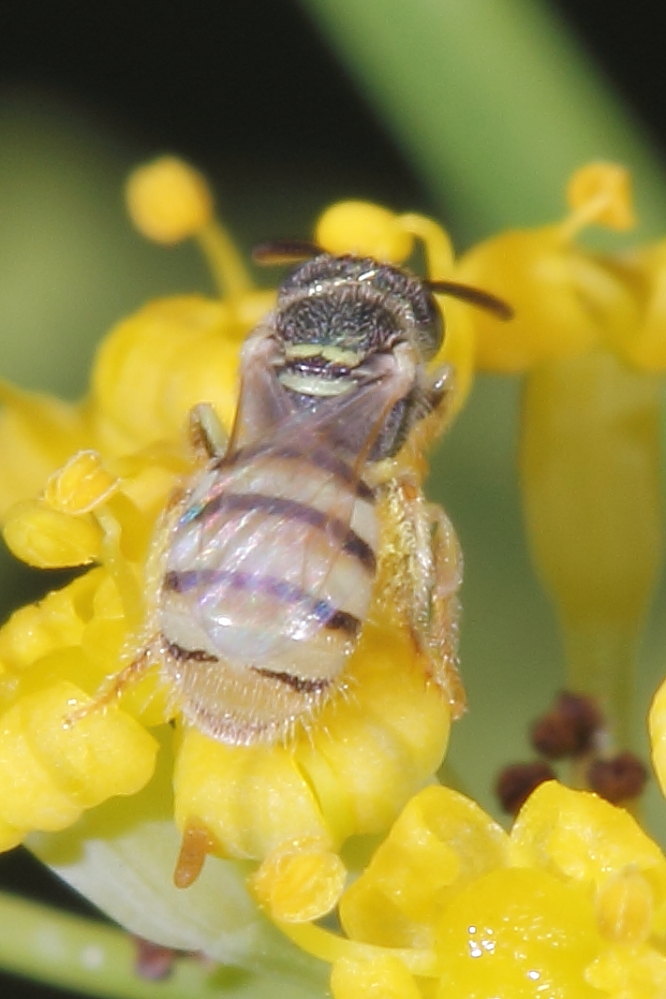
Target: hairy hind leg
114 686
421 573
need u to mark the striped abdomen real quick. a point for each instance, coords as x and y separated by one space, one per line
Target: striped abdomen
266 584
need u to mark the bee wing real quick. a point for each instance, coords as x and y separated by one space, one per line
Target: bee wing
263 403
282 531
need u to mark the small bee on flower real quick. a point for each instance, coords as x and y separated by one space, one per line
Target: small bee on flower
266 561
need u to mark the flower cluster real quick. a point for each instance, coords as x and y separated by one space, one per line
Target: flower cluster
588 340
571 902
102 471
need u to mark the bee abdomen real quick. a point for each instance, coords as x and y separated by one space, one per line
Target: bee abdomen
291 510
266 586
284 592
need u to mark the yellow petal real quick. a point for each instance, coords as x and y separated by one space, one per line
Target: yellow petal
156 365
10 836
577 835
625 904
623 972
80 485
384 977
440 842
564 300
589 461
251 799
57 621
458 349
37 434
49 539
54 764
519 934
370 751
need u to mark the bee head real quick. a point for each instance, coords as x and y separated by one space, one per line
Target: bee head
357 305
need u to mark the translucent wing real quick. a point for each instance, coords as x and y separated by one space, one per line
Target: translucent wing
275 546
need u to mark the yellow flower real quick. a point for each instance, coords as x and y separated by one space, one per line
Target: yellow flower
85 486
586 338
114 792
565 298
570 903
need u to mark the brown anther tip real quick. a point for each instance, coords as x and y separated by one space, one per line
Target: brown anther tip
569 728
516 782
619 779
552 736
153 962
195 845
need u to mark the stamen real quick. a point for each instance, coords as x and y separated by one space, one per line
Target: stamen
599 193
225 262
438 248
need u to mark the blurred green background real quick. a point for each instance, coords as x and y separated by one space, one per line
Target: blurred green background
473 115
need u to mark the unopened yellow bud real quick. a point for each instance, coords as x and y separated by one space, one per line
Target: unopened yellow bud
81 485
168 200
50 539
365 229
300 883
625 907
601 193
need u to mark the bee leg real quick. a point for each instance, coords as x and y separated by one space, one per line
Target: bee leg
114 686
443 628
422 573
208 437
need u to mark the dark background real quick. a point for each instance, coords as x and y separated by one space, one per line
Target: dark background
250 92
249 88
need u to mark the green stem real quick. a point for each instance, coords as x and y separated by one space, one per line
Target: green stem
75 953
494 101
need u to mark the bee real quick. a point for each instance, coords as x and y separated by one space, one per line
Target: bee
267 562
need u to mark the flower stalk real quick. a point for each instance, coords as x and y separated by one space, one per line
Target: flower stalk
589 464
94 958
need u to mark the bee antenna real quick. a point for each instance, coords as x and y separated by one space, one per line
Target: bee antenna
285 251
475 296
